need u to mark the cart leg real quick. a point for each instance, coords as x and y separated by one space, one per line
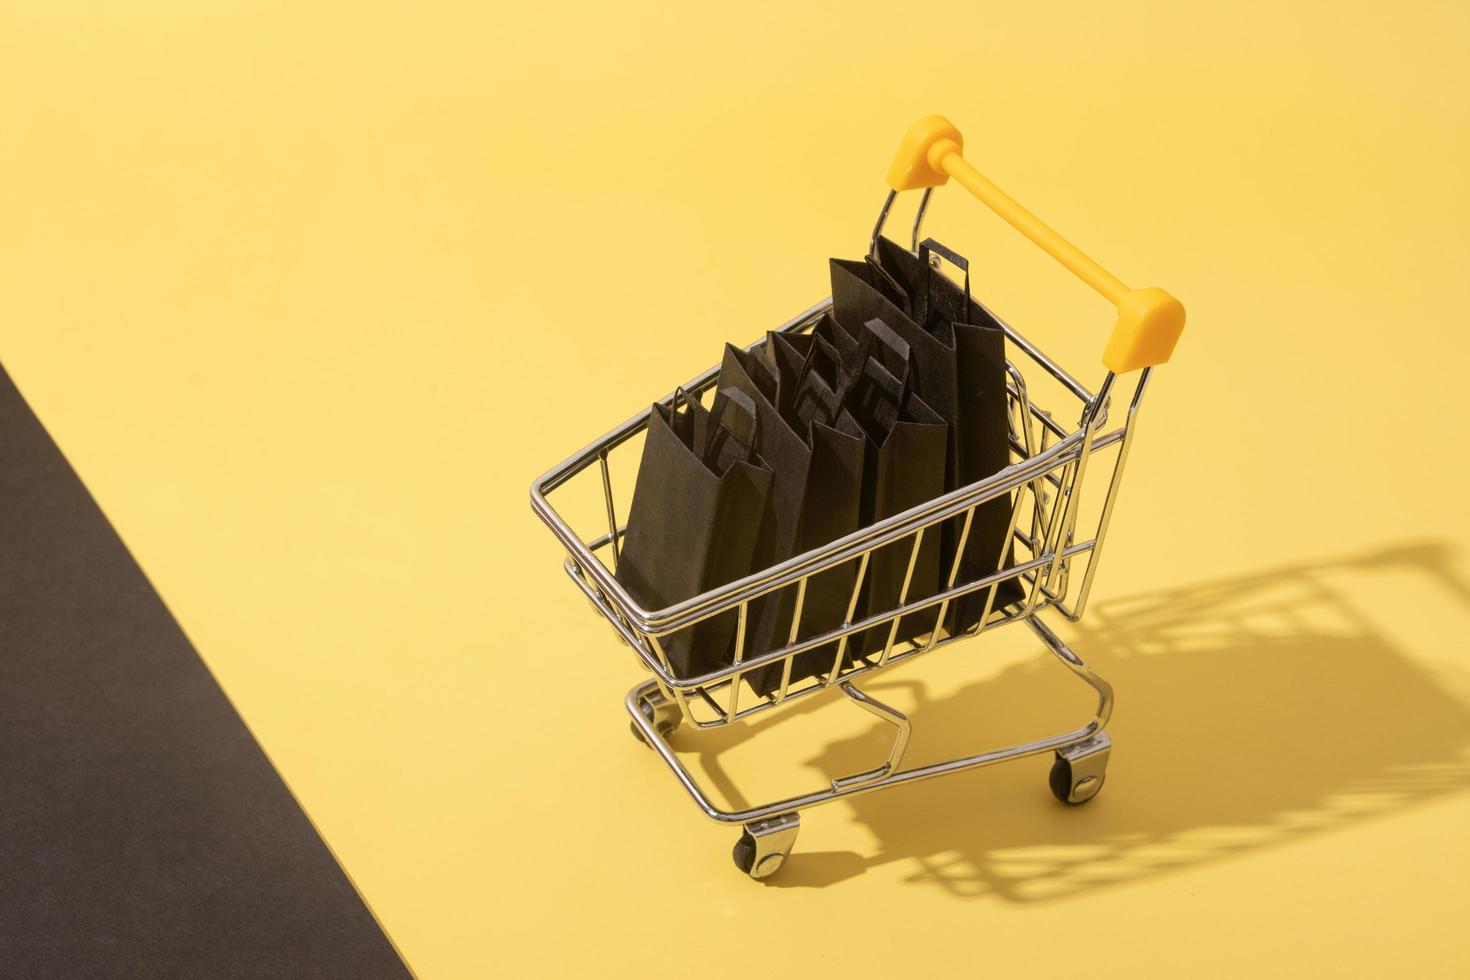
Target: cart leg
766 844
1079 769
662 713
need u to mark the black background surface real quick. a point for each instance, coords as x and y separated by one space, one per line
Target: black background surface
143 832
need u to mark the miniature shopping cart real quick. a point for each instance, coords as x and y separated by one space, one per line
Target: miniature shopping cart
1051 560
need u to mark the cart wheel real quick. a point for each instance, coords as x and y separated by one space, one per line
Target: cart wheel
744 853
662 713
765 845
1080 770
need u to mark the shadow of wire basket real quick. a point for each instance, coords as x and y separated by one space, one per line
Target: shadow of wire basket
1302 647
1053 561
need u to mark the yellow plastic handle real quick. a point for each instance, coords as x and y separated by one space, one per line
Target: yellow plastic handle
1149 319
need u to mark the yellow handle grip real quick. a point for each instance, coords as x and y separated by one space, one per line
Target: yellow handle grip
1149 319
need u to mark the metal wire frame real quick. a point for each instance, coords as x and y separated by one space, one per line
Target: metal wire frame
1044 482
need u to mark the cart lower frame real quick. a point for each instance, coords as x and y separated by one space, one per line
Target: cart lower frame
1078 771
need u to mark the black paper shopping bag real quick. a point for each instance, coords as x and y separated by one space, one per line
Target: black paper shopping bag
699 505
816 454
877 373
904 467
981 445
958 369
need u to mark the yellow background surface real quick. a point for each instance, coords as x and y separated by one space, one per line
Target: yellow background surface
309 293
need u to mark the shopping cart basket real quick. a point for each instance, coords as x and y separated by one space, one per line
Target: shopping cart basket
1043 481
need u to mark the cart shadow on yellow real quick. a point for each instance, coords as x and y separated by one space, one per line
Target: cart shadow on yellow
1252 712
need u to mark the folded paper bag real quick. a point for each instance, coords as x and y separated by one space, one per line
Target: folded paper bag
958 369
904 468
700 502
816 455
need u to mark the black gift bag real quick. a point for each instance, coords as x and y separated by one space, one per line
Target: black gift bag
905 466
700 503
957 355
816 454
982 447
877 384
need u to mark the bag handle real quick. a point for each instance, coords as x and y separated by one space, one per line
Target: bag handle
877 399
820 349
801 403
721 427
1149 319
928 246
879 342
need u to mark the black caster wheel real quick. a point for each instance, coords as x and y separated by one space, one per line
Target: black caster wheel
765 845
1064 787
744 853
661 713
